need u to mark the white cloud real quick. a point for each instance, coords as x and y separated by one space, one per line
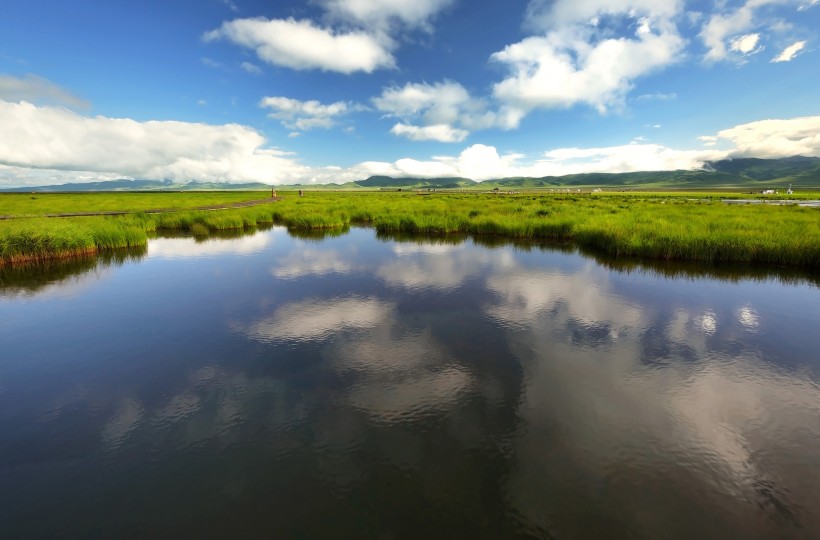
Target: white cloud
302 45
480 161
211 63
746 44
253 69
231 5
790 52
25 176
306 261
721 25
438 103
776 138
657 96
54 138
735 21
379 13
304 115
436 132
625 158
320 319
446 110
552 14
420 169
56 145
524 296
578 62
179 248
483 162
36 89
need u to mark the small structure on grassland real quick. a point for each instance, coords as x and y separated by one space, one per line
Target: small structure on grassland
768 192
789 191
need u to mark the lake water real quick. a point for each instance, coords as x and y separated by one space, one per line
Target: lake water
267 386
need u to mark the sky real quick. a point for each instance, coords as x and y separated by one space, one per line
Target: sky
321 91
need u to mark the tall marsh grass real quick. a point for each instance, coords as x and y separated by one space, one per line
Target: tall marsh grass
658 226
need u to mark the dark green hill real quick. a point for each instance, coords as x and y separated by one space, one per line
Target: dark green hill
769 169
431 183
742 173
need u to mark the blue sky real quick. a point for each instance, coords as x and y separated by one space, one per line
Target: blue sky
337 90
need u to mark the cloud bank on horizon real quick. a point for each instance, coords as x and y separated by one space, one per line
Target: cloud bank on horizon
338 90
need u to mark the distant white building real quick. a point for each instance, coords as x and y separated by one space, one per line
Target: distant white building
768 192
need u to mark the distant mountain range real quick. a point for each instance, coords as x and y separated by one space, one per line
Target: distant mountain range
744 173
142 185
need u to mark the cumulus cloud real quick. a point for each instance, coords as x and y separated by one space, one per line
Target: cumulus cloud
788 54
584 55
54 138
722 25
438 103
436 132
57 145
746 44
36 89
483 162
626 158
302 45
775 138
361 40
446 110
304 115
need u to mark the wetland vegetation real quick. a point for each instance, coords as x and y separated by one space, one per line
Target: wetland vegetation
680 226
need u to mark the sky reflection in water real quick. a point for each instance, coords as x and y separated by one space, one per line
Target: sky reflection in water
356 386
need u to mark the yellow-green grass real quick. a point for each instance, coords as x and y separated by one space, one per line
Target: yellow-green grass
690 227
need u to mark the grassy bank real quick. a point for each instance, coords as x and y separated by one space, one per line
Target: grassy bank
687 227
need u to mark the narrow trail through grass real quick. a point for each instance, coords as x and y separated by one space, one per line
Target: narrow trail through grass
179 208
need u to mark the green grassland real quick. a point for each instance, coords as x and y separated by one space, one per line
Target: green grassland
666 226
38 204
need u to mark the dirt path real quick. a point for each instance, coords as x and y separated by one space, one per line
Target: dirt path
228 206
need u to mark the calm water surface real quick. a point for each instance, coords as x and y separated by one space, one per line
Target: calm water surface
267 386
